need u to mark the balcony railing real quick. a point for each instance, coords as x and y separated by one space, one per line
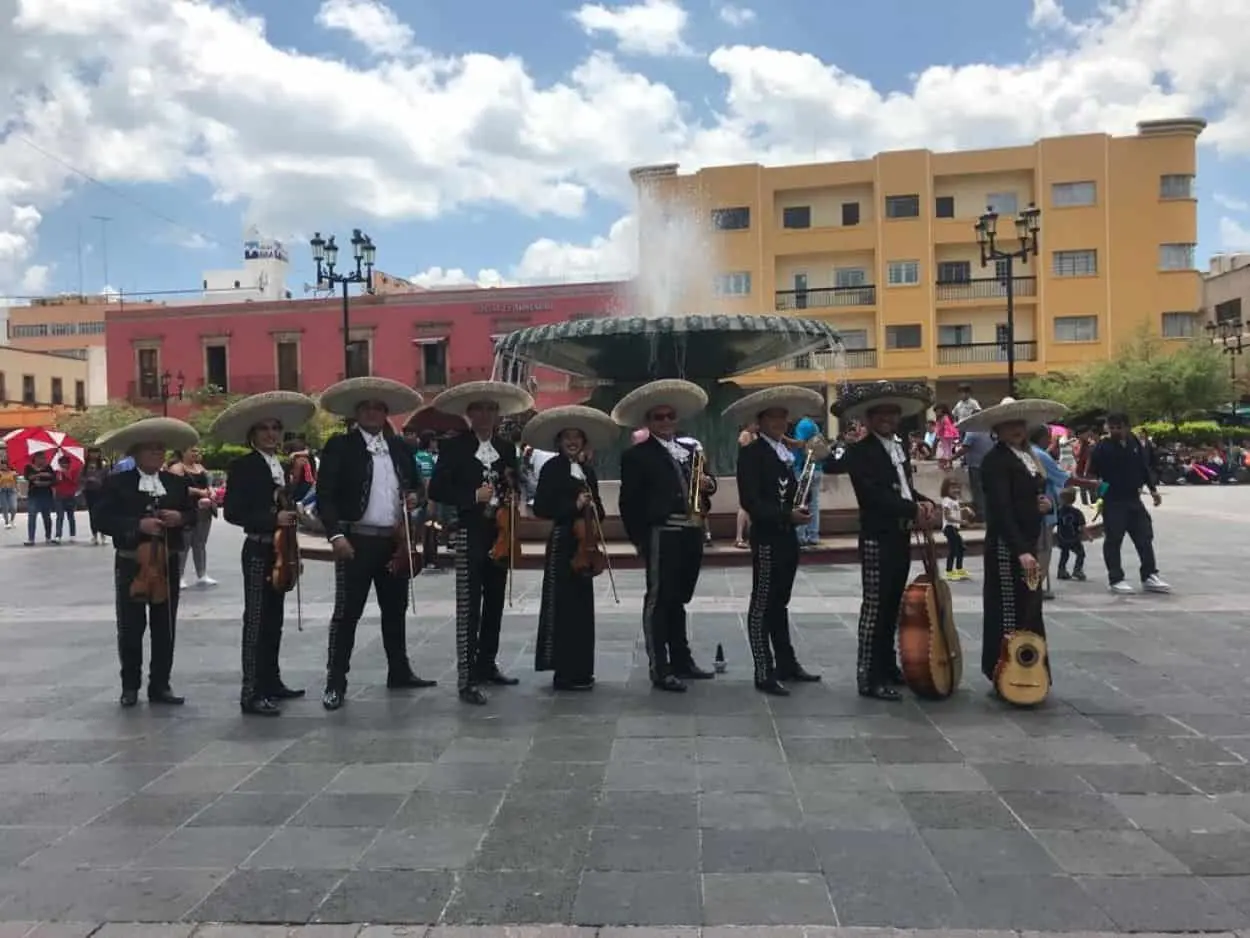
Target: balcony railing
985 288
824 297
831 361
985 353
147 392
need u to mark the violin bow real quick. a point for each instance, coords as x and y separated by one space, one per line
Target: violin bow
603 545
403 510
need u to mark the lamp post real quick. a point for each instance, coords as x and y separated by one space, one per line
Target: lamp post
1232 339
167 391
1027 226
326 254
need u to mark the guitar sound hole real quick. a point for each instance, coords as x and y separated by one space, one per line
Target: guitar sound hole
1026 656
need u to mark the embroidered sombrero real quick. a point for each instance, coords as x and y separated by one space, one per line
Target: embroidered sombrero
509 398
856 400
289 408
1033 411
794 400
168 432
686 398
596 426
343 398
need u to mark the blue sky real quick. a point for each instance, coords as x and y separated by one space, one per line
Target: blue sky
487 141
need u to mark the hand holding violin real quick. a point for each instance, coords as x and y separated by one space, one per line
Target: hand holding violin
286 519
169 518
485 492
583 499
152 527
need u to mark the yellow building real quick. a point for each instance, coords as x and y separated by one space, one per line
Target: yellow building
884 249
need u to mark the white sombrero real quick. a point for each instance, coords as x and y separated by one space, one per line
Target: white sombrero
686 398
856 400
1033 411
794 400
343 398
509 398
289 408
168 432
596 426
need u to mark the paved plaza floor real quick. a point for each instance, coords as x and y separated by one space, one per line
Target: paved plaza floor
1122 805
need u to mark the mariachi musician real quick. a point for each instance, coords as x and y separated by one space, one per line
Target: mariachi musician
477 475
663 485
366 488
146 511
1015 504
769 492
890 507
567 495
260 501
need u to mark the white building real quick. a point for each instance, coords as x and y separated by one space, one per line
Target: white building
262 278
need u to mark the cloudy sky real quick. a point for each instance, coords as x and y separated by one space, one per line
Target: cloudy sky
488 140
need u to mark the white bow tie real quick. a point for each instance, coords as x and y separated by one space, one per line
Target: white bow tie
151 485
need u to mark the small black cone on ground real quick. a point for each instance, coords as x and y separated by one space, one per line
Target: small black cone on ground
719 664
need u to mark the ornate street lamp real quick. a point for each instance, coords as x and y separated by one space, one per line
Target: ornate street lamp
1027 225
1232 339
326 254
166 389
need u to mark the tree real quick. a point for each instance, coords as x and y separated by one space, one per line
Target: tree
87 426
1149 380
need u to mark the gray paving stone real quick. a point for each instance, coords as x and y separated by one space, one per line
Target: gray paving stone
647 809
312 848
622 898
758 851
1177 813
766 899
642 849
343 810
396 778
873 900
1065 811
1163 904
268 896
741 810
389 896
1133 780
1005 776
251 809
423 848
1209 853
855 811
958 810
976 852
521 898
452 808
1109 853
1048 903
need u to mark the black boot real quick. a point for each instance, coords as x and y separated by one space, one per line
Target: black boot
797 674
333 698
129 698
473 695
773 687
669 683
166 697
260 707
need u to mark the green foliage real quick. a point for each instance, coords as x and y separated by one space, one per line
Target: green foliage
86 426
1149 378
218 457
1191 432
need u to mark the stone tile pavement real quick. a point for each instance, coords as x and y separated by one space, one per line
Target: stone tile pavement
1123 805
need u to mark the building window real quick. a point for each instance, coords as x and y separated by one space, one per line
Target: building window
80 394
1229 310
902 273
850 213
850 277
28 389
58 392
1071 194
149 364
358 358
4 390
1076 328
1176 256
1176 186
902 206
288 366
954 271
902 337
1075 263
731 219
216 368
434 362
735 284
1180 325
797 216
960 334
854 340
944 206
1003 203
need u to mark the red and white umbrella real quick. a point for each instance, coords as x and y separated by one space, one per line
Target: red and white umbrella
25 443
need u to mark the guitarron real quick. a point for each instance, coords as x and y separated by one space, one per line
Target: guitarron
927 639
1021 676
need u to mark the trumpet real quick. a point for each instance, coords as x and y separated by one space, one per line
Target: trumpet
816 452
697 466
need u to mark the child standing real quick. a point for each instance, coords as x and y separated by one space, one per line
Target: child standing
952 520
1070 536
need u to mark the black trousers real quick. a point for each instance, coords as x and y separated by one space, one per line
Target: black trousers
481 584
1077 551
885 561
954 548
352 580
1129 517
774 565
263 611
673 557
136 616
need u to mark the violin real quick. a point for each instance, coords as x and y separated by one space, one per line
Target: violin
151 582
287 566
406 560
589 559
507 545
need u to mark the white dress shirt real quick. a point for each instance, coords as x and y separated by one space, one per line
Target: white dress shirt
784 453
150 484
899 458
382 509
275 468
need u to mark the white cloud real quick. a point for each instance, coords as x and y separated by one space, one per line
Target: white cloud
35 280
1234 236
652 27
148 91
1232 203
372 24
735 15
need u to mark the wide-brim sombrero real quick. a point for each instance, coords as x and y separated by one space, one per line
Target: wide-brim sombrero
509 398
794 400
289 408
856 400
686 398
168 432
596 426
343 398
1033 411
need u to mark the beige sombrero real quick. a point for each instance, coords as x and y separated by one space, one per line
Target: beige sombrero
509 398
343 398
856 400
794 400
1033 411
686 398
170 433
596 426
289 408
